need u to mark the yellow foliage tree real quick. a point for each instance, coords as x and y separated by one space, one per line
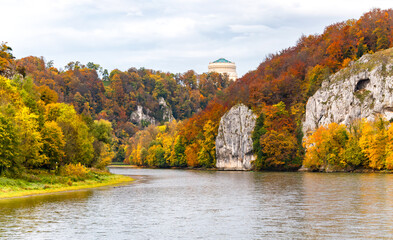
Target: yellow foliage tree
207 152
277 147
53 144
389 149
326 146
373 142
31 140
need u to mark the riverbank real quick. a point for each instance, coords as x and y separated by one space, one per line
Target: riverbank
302 169
179 168
45 183
123 166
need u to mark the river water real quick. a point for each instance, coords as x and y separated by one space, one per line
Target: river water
184 204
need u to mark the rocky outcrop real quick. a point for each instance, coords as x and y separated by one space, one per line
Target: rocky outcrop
143 116
140 118
362 90
233 143
167 115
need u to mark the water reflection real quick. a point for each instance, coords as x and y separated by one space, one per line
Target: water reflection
167 204
352 204
29 214
34 201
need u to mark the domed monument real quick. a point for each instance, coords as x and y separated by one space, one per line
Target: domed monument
224 66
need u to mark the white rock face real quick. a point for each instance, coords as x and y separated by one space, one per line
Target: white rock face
139 116
167 115
233 143
363 90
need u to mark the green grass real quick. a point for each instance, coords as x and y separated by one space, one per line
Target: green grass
44 183
117 163
362 95
123 166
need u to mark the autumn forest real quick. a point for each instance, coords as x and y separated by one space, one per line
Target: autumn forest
79 115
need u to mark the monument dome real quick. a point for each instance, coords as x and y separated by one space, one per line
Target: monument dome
224 66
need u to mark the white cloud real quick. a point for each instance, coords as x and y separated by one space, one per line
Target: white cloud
249 29
171 35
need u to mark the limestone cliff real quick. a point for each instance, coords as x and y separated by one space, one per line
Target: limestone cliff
233 143
362 90
167 115
143 116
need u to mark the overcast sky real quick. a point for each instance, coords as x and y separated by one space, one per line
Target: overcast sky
167 35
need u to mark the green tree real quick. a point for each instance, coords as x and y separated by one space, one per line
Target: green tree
258 132
159 90
94 66
178 157
102 131
315 77
53 144
105 75
120 154
79 141
156 156
353 155
9 144
362 48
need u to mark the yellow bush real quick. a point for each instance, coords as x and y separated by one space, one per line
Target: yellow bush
75 170
105 158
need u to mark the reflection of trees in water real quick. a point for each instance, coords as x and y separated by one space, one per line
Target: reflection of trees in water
354 205
235 204
30 214
40 200
279 197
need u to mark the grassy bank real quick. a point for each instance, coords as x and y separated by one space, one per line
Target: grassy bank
123 166
35 183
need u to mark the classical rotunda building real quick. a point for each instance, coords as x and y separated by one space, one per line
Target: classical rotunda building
224 66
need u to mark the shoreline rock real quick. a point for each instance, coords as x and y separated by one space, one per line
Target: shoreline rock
234 149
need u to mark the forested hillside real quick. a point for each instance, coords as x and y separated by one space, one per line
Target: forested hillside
277 91
45 145
38 133
96 95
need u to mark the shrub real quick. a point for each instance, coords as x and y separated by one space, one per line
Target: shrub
77 171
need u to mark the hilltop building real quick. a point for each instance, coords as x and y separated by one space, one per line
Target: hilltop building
224 66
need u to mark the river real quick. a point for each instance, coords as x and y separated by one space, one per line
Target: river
185 204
